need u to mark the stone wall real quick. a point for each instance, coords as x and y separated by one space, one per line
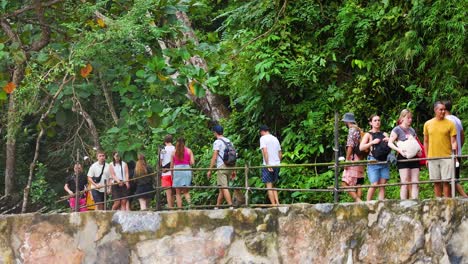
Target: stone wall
430 231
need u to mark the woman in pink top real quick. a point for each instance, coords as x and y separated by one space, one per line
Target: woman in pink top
182 159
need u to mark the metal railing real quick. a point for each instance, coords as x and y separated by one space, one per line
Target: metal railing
248 189
336 165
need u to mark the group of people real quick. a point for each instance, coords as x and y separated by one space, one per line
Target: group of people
116 176
176 174
443 136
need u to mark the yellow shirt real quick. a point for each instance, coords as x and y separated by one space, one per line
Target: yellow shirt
439 133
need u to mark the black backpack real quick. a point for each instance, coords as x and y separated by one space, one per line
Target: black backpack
230 155
381 150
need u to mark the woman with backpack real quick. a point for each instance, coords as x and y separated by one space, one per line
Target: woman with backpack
376 142
144 181
182 158
407 147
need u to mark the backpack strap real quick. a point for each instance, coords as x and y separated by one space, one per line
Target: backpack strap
225 144
98 179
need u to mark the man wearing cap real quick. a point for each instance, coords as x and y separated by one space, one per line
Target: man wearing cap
353 175
271 152
222 175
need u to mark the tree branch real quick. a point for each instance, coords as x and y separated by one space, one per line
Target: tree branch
45 30
31 7
280 13
110 105
32 166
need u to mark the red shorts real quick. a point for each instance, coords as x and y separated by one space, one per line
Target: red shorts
166 181
82 202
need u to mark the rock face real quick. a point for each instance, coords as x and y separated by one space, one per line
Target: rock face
430 231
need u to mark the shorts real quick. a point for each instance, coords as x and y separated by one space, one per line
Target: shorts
222 176
270 176
144 191
82 203
182 177
352 174
457 172
119 192
98 196
407 165
375 172
131 191
166 181
442 169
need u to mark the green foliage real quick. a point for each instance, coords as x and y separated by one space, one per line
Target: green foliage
288 64
41 192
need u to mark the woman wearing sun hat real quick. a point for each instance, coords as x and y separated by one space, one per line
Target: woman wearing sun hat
353 175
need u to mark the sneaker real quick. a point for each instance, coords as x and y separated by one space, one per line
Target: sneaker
216 208
231 207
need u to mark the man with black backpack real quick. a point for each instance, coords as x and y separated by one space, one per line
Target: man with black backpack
224 155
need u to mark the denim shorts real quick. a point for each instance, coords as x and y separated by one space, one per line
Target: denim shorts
377 171
182 177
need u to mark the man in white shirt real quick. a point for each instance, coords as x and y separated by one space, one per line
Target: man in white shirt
97 174
460 142
271 152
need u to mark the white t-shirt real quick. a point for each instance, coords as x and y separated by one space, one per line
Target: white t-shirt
273 147
119 170
166 155
459 127
220 146
95 171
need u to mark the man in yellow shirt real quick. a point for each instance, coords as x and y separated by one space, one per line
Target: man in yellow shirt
440 141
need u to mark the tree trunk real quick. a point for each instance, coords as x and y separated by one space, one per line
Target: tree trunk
13 124
211 104
10 166
32 166
15 117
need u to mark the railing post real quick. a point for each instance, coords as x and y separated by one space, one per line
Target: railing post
246 172
77 192
105 194
158 181
453 183
336 149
